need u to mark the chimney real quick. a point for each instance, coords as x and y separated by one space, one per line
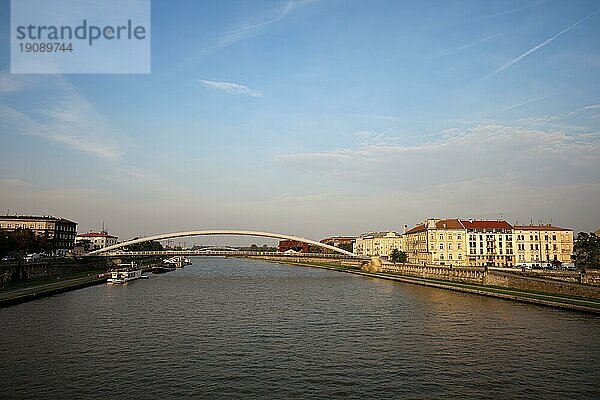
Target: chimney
405 228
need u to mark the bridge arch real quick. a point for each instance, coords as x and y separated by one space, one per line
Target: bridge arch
232 232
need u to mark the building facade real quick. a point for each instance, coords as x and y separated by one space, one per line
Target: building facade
461 242
437 241
95 240
543 245
379 244
60 232
490 243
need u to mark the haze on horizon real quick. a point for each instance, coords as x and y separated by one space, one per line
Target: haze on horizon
317 118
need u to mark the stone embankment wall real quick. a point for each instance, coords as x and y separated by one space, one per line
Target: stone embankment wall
455 274
19 271
516 281
581 287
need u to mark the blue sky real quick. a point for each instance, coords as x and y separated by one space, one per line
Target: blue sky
318 118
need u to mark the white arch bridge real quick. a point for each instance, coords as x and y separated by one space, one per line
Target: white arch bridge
118 249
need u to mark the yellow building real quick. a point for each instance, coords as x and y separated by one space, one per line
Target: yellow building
543 245
461 242
437 241
378 244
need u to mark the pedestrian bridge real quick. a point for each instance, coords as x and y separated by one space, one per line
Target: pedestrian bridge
120 248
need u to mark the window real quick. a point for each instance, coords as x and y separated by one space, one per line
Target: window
441 256
449 246
441 246
449 256
441 236
458 246
553 237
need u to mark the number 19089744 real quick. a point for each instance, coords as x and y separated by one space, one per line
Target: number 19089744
45 47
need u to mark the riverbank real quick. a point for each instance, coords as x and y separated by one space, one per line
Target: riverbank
28 293
541 298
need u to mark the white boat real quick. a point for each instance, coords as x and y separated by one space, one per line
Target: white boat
124 274
177 261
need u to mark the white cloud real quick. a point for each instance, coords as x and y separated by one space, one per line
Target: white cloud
536 157
250 30
65 117
229 87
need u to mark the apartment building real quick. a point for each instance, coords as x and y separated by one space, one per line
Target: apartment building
379 244
95 240
60 232
543 245
461 242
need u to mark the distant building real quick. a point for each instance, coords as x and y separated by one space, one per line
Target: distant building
379 244
95 240
543 245
59 231
344 242
286 245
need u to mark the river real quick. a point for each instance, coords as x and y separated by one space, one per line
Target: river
229 328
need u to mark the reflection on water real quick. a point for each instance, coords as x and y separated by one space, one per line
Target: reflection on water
240 328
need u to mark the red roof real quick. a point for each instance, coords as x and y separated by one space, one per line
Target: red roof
540 228
416 229
96 234
449 224
485 224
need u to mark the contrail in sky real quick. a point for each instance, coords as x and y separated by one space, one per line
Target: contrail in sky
544 43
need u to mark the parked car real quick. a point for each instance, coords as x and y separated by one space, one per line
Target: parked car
32 257
8 258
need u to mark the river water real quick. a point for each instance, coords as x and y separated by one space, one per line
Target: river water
228 328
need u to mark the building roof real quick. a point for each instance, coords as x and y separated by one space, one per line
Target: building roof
416 229
380 234
455 223
20 217
338 238
96 234
485 224
449 224
540 228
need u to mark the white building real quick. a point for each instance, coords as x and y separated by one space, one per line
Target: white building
378 244
95 240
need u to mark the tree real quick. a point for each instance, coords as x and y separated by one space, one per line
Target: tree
397 256
587 250
22 240
346 246
146 246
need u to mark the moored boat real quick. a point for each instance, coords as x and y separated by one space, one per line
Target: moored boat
125 273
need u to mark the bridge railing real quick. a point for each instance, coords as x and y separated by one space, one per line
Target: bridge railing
219 253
